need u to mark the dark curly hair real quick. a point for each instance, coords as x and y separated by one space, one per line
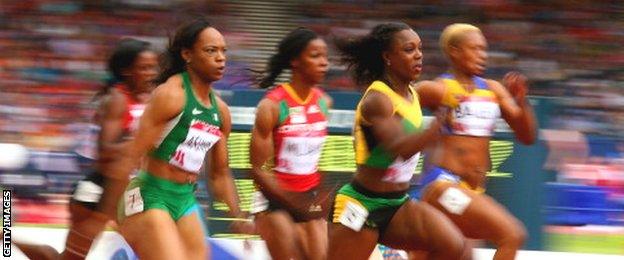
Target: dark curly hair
289 48
363 55
172 62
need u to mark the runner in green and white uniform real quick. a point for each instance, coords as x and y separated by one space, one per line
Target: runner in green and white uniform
186 140
184 125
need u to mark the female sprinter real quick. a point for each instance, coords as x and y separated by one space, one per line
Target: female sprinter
389 135
185 123
290 128
456 183
133 66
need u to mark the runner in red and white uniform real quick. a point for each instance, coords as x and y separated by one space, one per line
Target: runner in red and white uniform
133 66
290 127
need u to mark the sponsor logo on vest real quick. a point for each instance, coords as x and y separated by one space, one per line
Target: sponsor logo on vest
196 111
313 109
297 115
315 208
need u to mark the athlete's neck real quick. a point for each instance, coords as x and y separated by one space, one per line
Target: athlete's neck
301 85
464 79
137 93
399 86
200 87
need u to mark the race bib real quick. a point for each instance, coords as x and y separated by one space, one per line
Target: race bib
190 154
475 118
133 201
454 200
354 216
300 155
401 170
259 203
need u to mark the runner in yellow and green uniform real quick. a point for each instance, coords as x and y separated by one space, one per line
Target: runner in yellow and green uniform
389 136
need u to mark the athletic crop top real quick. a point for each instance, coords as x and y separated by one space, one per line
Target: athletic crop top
474 113
299 137
370 153
188 137
133 112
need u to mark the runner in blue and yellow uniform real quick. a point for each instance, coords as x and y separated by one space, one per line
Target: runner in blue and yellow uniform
389 135
455 182
184 124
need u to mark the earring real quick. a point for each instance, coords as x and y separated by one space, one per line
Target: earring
188 61
388 62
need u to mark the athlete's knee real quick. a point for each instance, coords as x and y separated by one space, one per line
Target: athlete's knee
455 246
278 224
451 248
199 253
450 242
514 236
517 235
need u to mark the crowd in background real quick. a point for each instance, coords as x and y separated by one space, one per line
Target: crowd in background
53 53
53 62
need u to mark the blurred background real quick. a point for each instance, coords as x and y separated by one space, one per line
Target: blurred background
568 188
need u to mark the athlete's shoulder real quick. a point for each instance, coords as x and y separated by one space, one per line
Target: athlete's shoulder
495 86
318 91
429 85
172 88
321 94
224 113
221 104
276 93
376 103
116 96
112 105
169 97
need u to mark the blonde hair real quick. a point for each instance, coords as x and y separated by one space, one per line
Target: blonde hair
452 33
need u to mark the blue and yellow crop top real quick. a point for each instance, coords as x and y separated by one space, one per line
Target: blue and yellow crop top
474 113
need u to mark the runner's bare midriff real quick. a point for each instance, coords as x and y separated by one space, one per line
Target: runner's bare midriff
167 171
466 156
371 179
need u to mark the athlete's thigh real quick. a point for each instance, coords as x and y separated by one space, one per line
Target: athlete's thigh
277 224
477 215
191 228
315 238
280 233
153 234
346 243
418 226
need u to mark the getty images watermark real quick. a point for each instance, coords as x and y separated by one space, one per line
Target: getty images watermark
6 223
